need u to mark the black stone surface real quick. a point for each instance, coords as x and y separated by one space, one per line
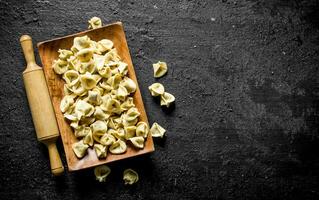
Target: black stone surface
245 77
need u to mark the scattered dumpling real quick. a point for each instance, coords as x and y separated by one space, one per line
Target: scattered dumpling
157 131
130 176
167 99
101 172
156 89
160 69
95 22
80 149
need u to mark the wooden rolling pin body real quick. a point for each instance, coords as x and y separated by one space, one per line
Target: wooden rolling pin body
40 105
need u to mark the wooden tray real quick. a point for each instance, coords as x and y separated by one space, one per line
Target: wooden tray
48 51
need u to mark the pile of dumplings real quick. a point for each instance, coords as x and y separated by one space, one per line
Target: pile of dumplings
98 100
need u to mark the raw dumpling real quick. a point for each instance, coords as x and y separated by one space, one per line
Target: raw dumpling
87 120
122 68
100 150
99 126
104 45
88 139
100 114
129 132
157 131
112 106
129 84
95 22
156 89
128 103
86 67
82 131
60 66
101 172
80 149
99 61
137 141
85 55
118 134
107 139
80 43
66 102
114 81
121 93
94 97
127 122
118 147
71 77
160 69
111 124
83 108
64 54
73 63
142 129
88 81
132 114
112 55
130 176
167 99
78 89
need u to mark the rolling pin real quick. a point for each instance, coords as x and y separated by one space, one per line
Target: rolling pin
40 105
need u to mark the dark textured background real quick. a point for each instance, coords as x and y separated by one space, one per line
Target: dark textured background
245 76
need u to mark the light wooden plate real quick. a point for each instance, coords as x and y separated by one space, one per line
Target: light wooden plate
48 51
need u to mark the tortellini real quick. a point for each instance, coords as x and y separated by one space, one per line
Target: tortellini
88 81
118 147
98 100
158 89
167 99
130 177
157 131
95 22
142 129
60 66
66 102
100 150
101 172
80 148
138 141
160 69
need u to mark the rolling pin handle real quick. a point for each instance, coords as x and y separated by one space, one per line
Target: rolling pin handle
27 46
55 160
